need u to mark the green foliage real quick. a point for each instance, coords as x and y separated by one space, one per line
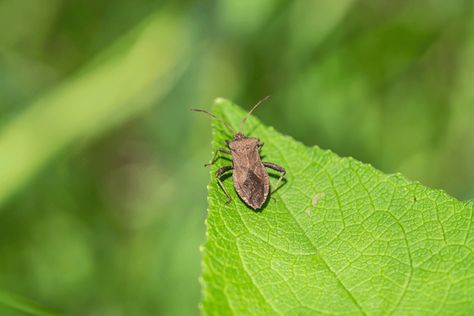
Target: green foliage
102 189
93 100
340 237
23 305
65 202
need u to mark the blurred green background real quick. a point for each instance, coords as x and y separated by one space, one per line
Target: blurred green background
102 185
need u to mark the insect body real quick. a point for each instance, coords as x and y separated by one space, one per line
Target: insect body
250 179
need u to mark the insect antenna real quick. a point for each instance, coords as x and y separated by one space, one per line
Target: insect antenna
215 117
250 112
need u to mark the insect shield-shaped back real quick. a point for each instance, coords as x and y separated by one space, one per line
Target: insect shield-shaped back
250 179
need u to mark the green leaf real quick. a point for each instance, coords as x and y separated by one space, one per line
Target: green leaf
339 237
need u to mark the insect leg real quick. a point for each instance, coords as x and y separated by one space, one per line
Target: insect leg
214 159
277 168
219 173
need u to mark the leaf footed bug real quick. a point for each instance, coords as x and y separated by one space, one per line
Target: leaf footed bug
250 179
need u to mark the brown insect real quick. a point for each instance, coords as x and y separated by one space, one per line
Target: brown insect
250 179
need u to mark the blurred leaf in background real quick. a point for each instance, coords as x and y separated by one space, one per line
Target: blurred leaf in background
103 190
